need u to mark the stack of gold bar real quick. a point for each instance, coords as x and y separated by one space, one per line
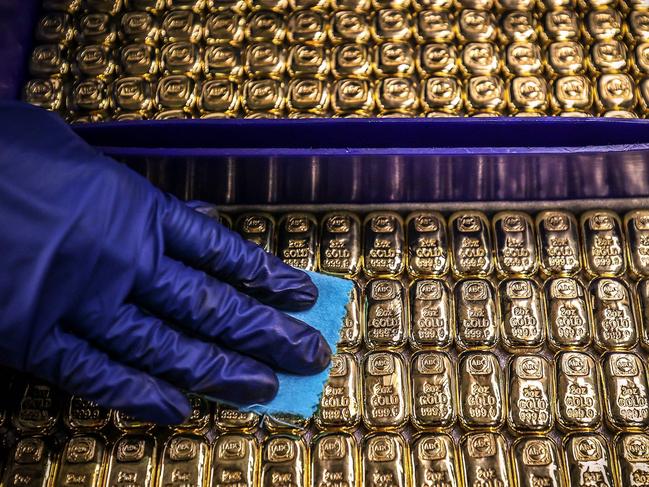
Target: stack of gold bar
98 60
476 351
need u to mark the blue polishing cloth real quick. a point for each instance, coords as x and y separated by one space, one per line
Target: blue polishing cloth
299 394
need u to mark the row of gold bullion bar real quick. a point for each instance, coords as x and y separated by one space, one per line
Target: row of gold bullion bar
97 60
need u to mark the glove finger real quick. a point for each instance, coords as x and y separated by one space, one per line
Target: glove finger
202 242
75 366
147 343
216 310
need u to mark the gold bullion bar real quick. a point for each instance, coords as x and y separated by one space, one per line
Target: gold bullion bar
386 320
259 228
588 460
351 60
476 314
636 225
470 240
602 24
603 243
626 393
351 332
235 461
434 461
642 293
309 26
32 462
518 25
184 461
485 95
83 462
133 461
522 315
484 460
434 390
284 461
434 26
528 93
432 323
616 91
523 59
480 58
558 243
38 409
391 24
308 60
383 244
200 419
568 314
394 59
340 244
427 244
385 391
385 460
436 59
631 453
565 58
476 26
481 391
286 423
614 318
335 461
126 423
609 56
579 400
82 414
349 26
561 25
530 384
536 461
297 243
340 405
441 93
515 244
230 419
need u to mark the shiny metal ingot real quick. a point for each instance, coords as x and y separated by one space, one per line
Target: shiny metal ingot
558 243
83 461
181 57
284 461
638 24
397 95
515 245
177 92
394 59
383 244
385 391
604 24
235 460
536 461
351 60
309 95
308 60
434 26
82 414
522 315
565 58
38 409
530 384
127 423
95 60
568 315
427 244
340 402
476 26
523 59
480 58
265 26
481 391
265 59
335 460
286 423
259 228
476 314
340 244
441 93
470 240
49 60
265 95
614 318
518 26
391 25
230 419
31 462
200 419
434 390
297 240
181 25
356 5
96 28
528 93
484 460
579 400
139 27
588 460
609 56
571 93
307 26
351 333
640 60
434 461
219 96
561 25
224 27
626 392
55 28
386 322
185 461
436 59
636 226
133 461
631 453
223 61
616 92
349 26
385 460
138 60
47 93
431 314
485 93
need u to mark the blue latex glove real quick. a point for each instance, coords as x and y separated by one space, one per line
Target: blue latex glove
115 291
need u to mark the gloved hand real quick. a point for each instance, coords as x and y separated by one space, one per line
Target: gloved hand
115 291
